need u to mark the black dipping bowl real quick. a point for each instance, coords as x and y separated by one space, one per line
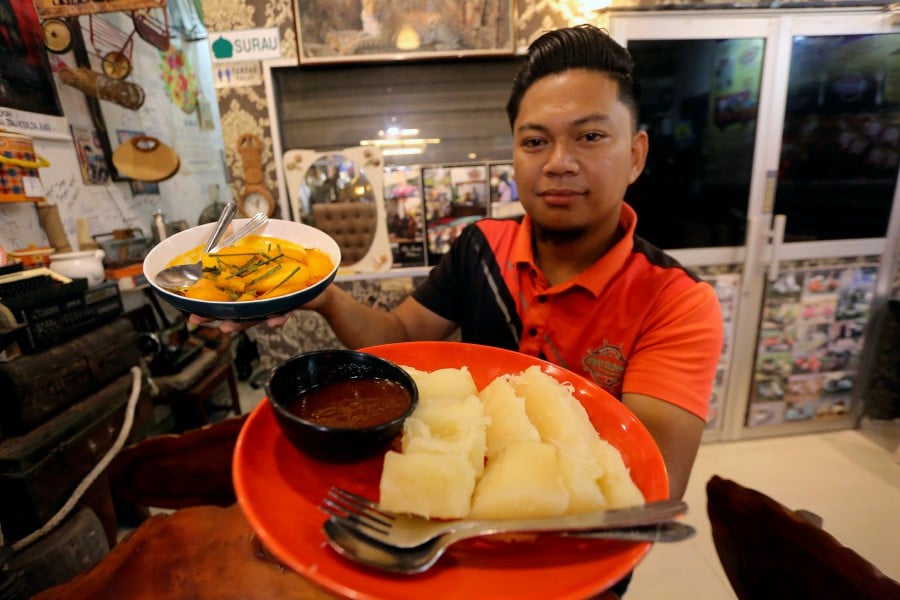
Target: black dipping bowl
304 372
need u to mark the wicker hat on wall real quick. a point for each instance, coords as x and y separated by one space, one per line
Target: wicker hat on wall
145 158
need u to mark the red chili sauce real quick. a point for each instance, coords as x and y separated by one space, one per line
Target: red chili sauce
352 404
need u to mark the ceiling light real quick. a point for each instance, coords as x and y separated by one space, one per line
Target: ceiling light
400 142
403 151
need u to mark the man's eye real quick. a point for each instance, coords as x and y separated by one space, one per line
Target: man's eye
532 142
593 136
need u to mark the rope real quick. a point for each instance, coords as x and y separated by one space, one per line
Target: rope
95 472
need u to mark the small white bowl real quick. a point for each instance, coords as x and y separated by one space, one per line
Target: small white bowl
85 263
250 310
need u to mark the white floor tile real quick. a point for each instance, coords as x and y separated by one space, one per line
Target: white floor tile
849 479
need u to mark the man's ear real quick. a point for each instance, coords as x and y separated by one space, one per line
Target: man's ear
640 145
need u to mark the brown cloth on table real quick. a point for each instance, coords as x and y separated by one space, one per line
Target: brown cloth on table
179 470
200 553
770 552
197 552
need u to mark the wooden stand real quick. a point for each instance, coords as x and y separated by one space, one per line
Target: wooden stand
186 392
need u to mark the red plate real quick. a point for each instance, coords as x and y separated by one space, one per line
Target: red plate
279 490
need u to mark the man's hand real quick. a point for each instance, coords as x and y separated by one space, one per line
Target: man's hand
272 321
232 326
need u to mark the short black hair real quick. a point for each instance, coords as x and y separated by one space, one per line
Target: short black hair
579 47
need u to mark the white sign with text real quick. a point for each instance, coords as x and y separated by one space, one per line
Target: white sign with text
245 44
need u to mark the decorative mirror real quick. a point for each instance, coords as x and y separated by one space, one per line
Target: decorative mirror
341 193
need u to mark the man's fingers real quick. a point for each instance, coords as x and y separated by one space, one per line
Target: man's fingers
197 320
232 326
278 320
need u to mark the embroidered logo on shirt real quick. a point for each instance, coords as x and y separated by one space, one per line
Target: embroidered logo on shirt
606 365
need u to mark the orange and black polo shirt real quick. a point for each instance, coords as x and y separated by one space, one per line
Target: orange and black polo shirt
634 322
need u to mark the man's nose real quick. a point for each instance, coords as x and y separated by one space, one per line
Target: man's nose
561 160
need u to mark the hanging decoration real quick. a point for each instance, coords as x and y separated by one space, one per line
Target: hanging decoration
98 85
113 47
145 158
179 79
57 23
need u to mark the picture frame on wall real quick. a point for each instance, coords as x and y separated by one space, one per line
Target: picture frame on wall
504 193
26 78
378 30
91 159
455 196
405 214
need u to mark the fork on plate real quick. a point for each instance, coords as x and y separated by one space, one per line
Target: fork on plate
407 531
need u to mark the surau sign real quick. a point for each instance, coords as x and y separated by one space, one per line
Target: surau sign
70 8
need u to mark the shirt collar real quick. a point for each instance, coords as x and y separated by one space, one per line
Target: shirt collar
595 278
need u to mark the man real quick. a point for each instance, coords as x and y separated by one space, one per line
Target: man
570 282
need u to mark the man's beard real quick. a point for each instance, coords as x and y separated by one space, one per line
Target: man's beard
558 235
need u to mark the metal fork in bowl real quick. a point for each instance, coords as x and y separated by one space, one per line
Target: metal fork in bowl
407 531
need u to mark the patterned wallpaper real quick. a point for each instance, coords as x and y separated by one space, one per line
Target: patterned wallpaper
244 109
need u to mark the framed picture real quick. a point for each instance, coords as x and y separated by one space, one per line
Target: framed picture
455 196
94 167
504 193
331 31
26 81
405 215
57 8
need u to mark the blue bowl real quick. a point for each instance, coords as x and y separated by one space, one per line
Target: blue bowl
249 310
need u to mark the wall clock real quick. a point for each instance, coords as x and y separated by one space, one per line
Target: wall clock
254 197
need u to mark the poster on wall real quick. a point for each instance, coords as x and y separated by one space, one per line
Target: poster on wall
504 193
809 346
26 81
455 196
405 215
384 29
94 168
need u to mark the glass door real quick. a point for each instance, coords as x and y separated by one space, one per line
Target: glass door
772 173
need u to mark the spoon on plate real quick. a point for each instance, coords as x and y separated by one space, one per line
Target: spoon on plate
362 549
179 277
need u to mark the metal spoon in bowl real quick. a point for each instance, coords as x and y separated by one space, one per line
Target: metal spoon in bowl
364 550
179 277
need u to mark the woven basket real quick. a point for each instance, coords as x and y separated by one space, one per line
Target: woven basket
145 158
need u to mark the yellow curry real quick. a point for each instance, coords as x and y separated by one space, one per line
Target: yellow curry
255 268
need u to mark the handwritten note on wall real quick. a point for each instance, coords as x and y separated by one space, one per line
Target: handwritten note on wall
19 226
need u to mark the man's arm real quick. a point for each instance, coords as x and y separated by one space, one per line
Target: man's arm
676 431
358 325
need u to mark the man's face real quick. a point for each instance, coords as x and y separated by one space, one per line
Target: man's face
575 153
